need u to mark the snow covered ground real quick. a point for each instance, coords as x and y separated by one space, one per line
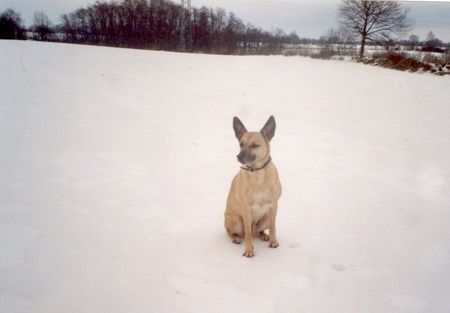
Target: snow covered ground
115 165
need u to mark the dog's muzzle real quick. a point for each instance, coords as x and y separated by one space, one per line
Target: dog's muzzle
244 158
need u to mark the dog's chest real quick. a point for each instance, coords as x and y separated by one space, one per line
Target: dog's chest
260 204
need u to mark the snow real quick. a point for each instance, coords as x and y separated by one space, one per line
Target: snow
115 165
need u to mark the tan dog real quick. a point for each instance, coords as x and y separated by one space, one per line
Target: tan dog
253 199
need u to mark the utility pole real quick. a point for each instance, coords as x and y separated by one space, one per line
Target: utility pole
186 32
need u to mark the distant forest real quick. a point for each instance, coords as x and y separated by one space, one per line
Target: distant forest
151 24
163 24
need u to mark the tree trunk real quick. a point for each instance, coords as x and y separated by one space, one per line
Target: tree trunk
363 44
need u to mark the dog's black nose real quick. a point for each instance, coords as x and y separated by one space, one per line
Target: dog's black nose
240 157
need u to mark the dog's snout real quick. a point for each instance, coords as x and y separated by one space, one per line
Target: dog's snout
244 157
241 157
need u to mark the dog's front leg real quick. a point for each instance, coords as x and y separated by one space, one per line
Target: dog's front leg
248 232
273 243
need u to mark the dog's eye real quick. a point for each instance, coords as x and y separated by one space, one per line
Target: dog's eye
241 144
254 145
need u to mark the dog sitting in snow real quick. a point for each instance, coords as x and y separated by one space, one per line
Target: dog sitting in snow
253 198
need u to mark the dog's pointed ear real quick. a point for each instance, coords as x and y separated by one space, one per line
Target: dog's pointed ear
239 128
268 131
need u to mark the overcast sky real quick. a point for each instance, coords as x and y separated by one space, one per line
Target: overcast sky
309 18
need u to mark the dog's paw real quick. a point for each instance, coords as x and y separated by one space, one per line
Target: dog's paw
273 244
263 236
236 240
248 254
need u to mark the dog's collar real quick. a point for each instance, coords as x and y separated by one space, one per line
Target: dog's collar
253 169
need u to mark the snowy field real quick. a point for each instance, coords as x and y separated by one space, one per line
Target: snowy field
115 166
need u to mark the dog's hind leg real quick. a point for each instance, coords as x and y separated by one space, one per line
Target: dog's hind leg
235 238
235 227
260 226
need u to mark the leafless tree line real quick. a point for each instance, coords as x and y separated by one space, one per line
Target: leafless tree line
162 24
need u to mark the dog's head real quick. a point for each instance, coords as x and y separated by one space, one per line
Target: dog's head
255 146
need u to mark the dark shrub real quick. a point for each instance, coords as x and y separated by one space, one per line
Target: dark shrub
399 61
11 25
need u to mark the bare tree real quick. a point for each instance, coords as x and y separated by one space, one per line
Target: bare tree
346 40
374 21
339 40
330 37
432 43
41 25
413 41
